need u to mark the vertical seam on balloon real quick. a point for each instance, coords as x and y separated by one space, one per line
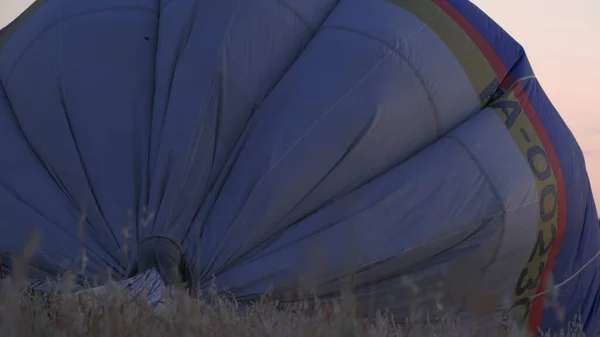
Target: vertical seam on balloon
62 91
226 35
154 149
436 111
201 115
285 217
331 9
204 162
522 96
476 67
333 106
35 211
48 170
59 183
192 21
211 93
295 12
38 158
498 197
55 178
215 129
487 50
198 133
165 5
144 178
53 24
299 139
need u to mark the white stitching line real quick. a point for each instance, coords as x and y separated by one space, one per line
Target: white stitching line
326 113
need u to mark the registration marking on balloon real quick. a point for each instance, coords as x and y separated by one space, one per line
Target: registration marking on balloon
532 276
528 132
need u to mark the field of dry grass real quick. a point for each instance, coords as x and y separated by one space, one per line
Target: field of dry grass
116 310
116 313
147 308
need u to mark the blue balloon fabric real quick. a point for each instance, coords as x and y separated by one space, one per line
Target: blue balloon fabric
294 143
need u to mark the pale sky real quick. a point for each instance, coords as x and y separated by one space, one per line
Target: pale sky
562 40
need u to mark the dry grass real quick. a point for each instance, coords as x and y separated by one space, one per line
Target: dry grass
65 313
115 312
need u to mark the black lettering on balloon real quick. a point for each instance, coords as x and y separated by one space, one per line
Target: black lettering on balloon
523 302
529 284
540 248
534 151
548 191
510 109
497 94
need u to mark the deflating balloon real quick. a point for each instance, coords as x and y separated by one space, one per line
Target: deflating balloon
294 143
